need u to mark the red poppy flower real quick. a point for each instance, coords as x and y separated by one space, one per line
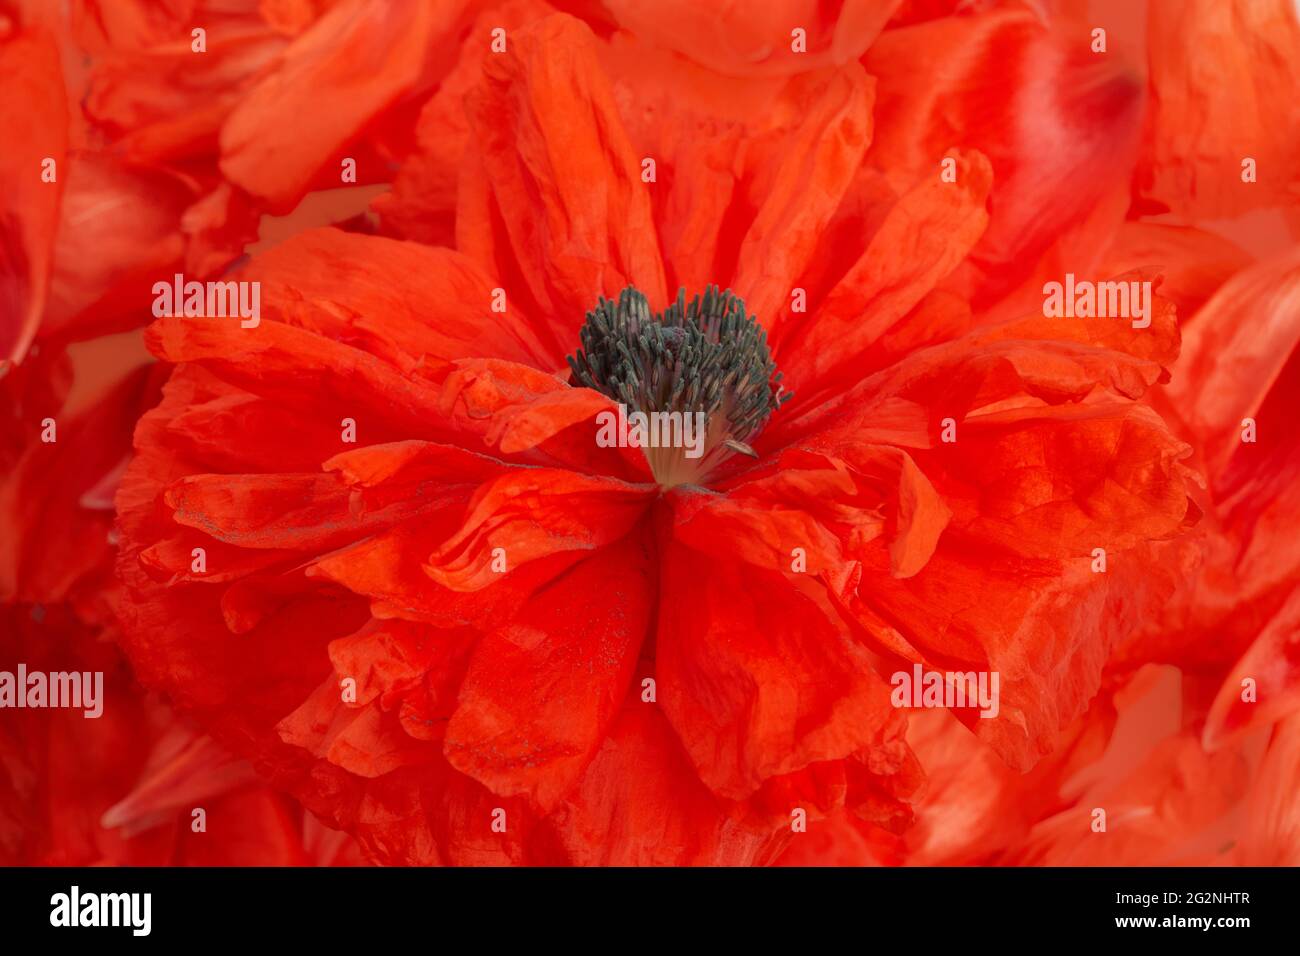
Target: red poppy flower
474 635
421 595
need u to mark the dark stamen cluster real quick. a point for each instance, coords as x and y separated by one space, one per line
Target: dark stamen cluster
704 355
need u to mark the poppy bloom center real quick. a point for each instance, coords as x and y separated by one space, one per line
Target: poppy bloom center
706 358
